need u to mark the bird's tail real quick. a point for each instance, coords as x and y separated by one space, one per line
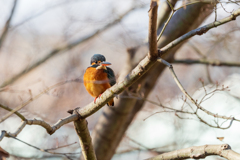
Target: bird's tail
110 103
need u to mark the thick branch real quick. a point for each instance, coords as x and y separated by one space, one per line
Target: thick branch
85 139
199 152
152 31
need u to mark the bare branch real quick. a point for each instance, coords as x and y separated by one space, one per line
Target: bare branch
85 139
223 150
11 110
174 10
199 31
7 24
208 62
152 30
190 98
32 99
44 150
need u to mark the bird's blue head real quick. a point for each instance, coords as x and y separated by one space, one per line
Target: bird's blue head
98 59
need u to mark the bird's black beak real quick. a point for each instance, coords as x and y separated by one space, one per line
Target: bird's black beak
105 63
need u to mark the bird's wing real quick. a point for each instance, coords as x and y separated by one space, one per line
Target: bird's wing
111 76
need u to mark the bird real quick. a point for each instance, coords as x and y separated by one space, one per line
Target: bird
98 77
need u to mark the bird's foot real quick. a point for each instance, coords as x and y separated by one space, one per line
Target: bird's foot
97 97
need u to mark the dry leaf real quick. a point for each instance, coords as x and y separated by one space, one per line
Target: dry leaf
220 138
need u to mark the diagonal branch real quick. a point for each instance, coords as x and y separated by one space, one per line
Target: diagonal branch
199 31
7 24
11 110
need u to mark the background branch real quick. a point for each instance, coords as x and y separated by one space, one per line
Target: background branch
199 152
67 47
7 24
207 62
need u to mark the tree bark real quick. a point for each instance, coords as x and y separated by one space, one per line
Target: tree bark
199 152
85 139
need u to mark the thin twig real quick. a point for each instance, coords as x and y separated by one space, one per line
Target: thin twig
11 110
188 96
198 31
207 62
44 150
173 11
34 98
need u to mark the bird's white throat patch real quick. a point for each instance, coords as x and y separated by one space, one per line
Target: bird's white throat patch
101 67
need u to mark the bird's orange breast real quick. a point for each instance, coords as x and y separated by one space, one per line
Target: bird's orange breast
96 81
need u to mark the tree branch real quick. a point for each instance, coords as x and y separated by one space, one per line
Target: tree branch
207 62
192 100
223 150
85 139
152 30
11 110
199 31
14 111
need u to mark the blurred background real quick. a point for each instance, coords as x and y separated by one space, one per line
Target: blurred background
48 42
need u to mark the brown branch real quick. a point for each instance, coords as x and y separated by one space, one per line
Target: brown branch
223 150
152 31
11 110
207 62
85 139
67 47
7 24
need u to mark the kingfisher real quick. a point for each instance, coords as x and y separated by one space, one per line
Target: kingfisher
98 77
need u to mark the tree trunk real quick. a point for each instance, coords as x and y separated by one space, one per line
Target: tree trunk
115 120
